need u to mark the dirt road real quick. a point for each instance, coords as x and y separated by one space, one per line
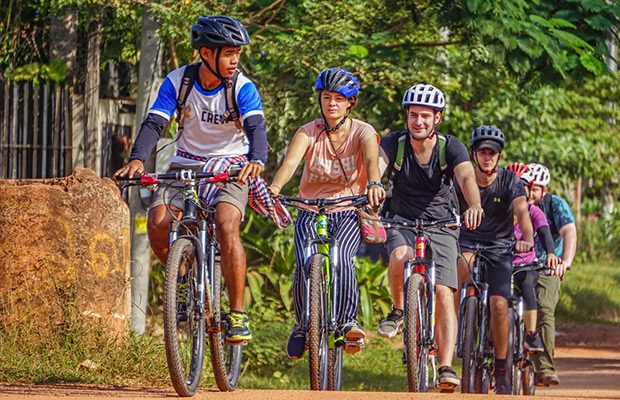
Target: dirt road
587 361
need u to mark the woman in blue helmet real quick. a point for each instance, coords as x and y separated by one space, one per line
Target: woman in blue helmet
341 159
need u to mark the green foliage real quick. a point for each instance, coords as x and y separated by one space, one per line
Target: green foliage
56 71
590 293
599 239
375 298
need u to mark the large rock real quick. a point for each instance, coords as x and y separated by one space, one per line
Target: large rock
64 246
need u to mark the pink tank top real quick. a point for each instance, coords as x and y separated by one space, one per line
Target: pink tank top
323 175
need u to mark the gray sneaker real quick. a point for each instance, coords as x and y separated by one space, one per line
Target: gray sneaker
391 325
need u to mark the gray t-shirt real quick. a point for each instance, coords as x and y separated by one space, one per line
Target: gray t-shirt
421 190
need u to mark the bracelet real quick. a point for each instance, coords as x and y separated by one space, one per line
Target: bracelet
373 183
278 186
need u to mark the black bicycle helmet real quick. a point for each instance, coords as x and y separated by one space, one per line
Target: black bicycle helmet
218 31
487 136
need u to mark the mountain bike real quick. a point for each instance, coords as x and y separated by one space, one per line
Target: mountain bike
474 344
419 313
195 296
320 279
523 381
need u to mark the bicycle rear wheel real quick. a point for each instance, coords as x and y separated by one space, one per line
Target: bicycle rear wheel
184 329
528 380
318 335
225 357
415 301
335 369
470 336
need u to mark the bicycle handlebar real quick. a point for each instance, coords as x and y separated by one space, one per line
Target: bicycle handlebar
452 222
478 248
356 201
182 175
531 266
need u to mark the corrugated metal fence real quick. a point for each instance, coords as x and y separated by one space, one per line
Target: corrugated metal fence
35 130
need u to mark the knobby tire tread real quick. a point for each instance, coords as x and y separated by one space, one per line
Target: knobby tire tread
225 359
413 292
317 335
185 386
469 334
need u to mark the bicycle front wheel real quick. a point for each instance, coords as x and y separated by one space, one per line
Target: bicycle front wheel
225 357
318 334
512 367
415 311
469 335
184 328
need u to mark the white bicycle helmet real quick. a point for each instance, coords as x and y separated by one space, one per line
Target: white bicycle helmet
538 174
424 95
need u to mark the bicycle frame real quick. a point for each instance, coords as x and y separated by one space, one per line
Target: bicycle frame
329 248
207 243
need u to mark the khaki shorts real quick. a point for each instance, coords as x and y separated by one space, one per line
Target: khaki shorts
232 193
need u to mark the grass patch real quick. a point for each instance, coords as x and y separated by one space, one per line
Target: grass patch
34 354
591 292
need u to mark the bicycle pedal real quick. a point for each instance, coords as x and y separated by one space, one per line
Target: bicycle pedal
446 389
351 347
236 342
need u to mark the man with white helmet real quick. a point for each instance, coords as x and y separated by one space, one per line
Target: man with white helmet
421 163
564 232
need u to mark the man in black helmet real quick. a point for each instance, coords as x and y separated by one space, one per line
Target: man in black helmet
502 196
209 136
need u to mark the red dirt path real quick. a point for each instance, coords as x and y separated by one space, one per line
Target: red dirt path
587 361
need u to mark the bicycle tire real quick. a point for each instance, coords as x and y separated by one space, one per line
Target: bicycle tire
184 340
512 364
469 335
528 379
318 336
414 327
335 369
225 358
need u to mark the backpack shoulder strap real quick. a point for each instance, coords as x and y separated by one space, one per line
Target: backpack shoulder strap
400 154
443 164
546 201
232 108
187 83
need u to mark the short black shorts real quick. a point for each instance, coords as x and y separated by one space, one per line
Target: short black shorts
498 271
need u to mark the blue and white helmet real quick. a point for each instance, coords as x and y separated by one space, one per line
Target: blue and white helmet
424 95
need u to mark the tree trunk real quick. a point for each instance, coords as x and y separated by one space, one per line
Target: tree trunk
63 38
92 139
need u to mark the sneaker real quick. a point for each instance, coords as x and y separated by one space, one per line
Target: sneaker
354 336
448 379
502 383
296 345
352 331
532 343
391 325
238 327
547 379
182 294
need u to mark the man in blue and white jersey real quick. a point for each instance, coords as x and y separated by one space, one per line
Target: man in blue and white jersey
207 135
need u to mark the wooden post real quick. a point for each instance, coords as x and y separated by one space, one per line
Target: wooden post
91 97
149 79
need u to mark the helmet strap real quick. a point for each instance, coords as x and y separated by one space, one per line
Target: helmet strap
492 171
216 71
329 129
